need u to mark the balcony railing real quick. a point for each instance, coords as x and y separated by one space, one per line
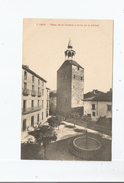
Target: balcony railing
33 93
39 94
31 109
25 91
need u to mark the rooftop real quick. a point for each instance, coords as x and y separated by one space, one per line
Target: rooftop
92 94
101 97
25 67
68 63
53 93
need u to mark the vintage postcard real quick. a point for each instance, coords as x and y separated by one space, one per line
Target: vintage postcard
67 90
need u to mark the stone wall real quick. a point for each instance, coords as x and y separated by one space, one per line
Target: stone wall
77 87
64 91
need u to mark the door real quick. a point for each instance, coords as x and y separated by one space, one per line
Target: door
38 118
32 121
24 125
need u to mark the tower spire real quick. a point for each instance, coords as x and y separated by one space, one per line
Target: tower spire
69 53
69 44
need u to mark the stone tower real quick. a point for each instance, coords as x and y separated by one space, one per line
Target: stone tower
70 85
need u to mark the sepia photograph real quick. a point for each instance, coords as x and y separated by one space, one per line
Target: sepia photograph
66 100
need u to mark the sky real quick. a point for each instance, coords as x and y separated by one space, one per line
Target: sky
46 40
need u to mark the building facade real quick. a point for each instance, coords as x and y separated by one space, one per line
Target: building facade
47 102
100 105
53 102
70 85
34 99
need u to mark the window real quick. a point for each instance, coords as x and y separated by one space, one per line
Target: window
24 104
25 75
38 118
38 81
32 103
93 106
42 84
46 113
93 113
81 78
42 92
47 104
38 103
109 107
78 68
42 103
42 115
38 89
32 87
74 76
33 79
25 85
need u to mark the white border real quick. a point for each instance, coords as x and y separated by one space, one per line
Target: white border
12 168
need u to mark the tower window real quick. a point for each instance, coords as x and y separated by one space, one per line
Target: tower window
74 76
93 113
93 106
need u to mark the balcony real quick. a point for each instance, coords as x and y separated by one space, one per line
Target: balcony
33 93
39 94
30 110
25 91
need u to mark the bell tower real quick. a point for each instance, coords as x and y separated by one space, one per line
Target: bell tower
69 53
70 83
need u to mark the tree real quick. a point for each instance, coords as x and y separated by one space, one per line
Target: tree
55 121
75 116
86 118
44 135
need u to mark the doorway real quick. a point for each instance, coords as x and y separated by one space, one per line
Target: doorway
24 125
32 121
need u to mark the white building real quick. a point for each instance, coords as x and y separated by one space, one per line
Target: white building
34 99
98 105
